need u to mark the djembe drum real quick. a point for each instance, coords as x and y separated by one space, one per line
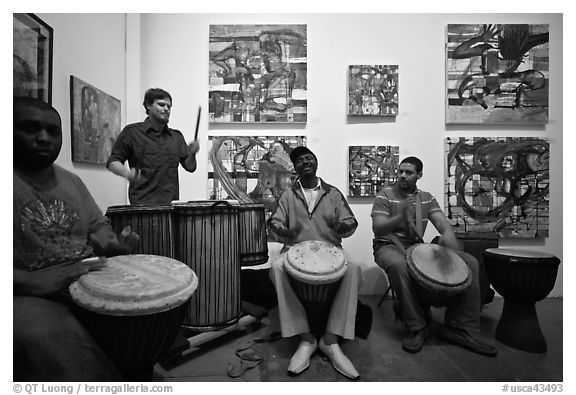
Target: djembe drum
208 243
154 225
522 278
134 308
252 233
440 272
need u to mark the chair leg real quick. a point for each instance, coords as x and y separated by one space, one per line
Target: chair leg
386 294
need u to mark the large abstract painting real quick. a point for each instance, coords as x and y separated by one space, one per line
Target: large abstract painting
497 74
32 57
371 168
258 73
498 185
95 122
373 90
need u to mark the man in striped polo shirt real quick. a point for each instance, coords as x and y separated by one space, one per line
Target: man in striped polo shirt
398 224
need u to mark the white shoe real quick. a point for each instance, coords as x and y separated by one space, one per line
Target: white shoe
340 362
300 361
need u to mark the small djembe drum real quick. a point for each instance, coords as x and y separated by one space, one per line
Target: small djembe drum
522 278
134 308
315 269
440 272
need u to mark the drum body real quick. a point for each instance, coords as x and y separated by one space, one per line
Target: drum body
154 225
439 271
252 233
134 308
315 270
522 278
208 243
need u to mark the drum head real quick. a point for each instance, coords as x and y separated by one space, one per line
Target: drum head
315 262
133 285
438 265
514 253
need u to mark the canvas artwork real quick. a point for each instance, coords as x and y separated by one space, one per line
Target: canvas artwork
498 185
497 74
32 57
257 73
95 122
371 168
373 90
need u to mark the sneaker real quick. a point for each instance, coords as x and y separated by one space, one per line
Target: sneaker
414 341
462 338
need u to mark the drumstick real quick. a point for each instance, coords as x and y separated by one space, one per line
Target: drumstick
197 123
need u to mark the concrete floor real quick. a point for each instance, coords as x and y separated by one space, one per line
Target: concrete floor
380 357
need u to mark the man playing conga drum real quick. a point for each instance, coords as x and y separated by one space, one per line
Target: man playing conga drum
56 224
399 217
313 210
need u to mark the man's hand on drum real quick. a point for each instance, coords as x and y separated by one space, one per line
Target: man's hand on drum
51 280
106 243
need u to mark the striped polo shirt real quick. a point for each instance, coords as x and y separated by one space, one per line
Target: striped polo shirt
387 202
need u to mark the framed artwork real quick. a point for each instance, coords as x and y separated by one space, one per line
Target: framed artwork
373 90
251 169
95 119
497 74
498 185
371 168
32 57
257 73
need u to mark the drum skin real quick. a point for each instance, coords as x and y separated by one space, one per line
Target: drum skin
524 276
154 225
208 243
439 271
315 269
134 308
252 233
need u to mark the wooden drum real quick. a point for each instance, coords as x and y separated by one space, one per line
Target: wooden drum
522 278
134 308
440 272
315 269
252 231
154 225
208 243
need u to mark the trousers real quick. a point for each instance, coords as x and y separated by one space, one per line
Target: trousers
50 344
462 310
292 314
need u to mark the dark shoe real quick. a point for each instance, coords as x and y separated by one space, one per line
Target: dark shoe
462 338
414 341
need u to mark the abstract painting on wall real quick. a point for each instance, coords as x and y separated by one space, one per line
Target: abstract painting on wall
497 74
32 57
95 122
371 168
373 90
498 185
251 169
257 73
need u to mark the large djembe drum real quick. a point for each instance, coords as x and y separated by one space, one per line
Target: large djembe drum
134 308
252 233
208 243
440 272
315 269
522 278
154 225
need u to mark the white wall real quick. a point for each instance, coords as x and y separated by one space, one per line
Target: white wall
92 48
175 57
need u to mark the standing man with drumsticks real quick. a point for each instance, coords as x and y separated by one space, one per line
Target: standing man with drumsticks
314 210
56 227
153 151
399 217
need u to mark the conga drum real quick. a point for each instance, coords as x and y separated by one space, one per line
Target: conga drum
154 225
440 272
315 269
134 308
252 233
208 243
522 278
